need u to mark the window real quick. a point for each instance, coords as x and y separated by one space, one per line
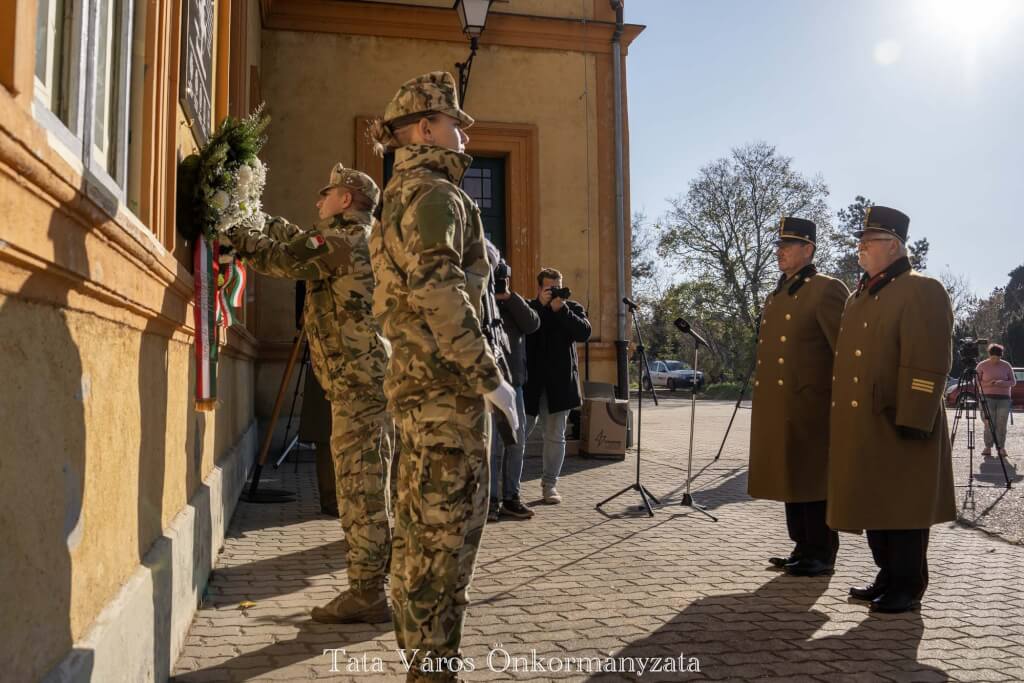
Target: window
83 54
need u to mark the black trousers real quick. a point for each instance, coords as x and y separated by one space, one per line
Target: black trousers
807 529
902 559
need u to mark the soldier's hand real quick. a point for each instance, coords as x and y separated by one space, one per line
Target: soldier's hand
557 303
545 297
504 399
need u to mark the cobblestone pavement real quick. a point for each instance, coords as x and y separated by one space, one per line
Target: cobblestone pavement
573 584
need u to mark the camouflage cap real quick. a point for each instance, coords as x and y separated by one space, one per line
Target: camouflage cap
353 180
432 92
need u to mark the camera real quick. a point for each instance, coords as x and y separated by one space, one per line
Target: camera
968 349
502 273
560 292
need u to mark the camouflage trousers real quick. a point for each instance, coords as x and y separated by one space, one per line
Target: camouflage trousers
361 449
440 513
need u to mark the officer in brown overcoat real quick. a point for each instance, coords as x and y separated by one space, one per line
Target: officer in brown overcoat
890 462
789 424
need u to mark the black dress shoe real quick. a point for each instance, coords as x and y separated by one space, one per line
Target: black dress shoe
780 562
868 593
895 602
809 568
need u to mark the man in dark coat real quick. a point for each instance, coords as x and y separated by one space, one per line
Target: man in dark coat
553 381
789 424
890 461
517 320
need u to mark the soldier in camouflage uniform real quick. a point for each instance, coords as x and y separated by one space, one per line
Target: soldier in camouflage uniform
349 356
432 270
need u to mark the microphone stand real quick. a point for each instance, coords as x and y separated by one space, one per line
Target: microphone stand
642 367
687 500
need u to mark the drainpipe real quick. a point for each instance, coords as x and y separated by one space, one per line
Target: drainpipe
621 344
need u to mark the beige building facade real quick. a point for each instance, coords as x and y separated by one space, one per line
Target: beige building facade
114 491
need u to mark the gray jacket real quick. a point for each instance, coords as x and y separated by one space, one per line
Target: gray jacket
519 320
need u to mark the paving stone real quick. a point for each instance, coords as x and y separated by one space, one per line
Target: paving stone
575 583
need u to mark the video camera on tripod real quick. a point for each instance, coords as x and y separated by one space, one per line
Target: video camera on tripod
969 399
968 350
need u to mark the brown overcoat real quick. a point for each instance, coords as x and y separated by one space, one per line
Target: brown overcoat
890 464
789 423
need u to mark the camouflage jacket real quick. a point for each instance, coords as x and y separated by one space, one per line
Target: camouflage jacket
348 352
431 266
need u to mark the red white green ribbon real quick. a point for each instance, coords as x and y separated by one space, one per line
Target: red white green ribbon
231 291
205 274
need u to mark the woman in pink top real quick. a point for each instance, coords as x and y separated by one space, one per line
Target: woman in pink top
996 378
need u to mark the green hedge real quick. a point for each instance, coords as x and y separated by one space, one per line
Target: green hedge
724 390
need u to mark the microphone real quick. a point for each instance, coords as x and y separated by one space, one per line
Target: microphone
685 328
629 302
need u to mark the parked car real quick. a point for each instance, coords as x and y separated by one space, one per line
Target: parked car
674 374
1016 394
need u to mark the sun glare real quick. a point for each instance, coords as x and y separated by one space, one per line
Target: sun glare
968 20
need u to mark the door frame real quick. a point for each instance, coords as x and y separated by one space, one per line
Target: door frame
517 144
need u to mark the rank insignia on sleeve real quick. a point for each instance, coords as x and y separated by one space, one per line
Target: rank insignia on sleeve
927 386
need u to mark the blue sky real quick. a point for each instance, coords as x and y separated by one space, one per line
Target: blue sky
915 104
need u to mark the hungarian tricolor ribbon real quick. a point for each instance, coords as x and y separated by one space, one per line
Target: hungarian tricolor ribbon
205 309
230 290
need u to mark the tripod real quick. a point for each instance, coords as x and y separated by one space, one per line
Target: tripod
969 397
254 494
642 368
687 500
739 399
299 383
735 409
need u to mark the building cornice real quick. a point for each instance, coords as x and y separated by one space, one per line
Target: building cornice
352 17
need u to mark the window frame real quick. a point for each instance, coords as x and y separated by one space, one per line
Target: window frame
108 186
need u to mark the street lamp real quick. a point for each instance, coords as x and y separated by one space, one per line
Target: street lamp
473 17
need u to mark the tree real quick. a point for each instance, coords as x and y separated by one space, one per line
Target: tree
845 266
1013 317
642 253
917 252
703 305
986 322
961 297
723 230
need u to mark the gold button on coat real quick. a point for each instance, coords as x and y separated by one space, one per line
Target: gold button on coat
781 361
780 382
788 316
857 353
853 403
782 338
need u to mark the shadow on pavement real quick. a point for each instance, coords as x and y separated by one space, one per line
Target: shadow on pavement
307 645
768 633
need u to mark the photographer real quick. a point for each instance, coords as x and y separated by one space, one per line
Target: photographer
996 378
517 320
552 384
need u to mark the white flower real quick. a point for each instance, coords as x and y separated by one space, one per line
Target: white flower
245 175
220 200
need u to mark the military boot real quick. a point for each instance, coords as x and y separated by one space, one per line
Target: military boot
368 605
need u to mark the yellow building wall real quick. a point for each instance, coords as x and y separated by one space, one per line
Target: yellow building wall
316 85
100 445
